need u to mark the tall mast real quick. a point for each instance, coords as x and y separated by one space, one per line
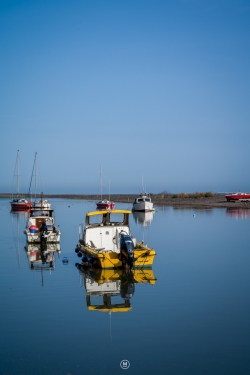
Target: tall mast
33 169
35 172
101 180
18 173
143 191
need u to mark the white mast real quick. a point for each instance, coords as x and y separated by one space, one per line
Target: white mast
143 190
35 163
17 172
101 180
15 180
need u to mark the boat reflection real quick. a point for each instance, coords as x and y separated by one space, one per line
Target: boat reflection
111 290
240 213
143 218
42 256
18 218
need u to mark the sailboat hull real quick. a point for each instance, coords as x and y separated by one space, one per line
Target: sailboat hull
105 205
20 205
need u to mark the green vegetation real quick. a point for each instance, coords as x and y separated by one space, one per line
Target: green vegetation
196 195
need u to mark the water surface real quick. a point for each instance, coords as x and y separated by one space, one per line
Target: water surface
190 315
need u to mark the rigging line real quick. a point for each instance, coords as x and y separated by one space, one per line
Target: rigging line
32 173
40 176
16 177
110 328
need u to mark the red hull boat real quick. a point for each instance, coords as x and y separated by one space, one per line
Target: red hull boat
20 205
238 197
105 205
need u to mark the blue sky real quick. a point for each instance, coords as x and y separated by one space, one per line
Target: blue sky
158 89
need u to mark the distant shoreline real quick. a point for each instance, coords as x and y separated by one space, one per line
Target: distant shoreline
216 201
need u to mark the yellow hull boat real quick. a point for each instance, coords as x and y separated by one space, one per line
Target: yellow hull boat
108 243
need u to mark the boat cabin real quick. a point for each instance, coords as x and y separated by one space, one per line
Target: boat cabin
142 199
40 219
104 218
103 228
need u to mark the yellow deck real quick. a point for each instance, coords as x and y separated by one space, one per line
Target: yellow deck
108 259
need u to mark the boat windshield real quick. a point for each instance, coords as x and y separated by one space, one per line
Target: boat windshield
96 219
40 213
108 218
116 218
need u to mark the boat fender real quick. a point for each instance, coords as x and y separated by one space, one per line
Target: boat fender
79 254
76 250
32 229
65 260
91 260
84 259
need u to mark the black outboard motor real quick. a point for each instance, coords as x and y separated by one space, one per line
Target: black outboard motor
127 247
127 285
43 231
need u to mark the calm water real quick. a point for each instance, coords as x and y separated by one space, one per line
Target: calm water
194 319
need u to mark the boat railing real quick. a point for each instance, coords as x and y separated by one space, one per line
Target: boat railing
80 230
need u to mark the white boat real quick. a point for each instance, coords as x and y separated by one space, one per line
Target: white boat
18 203
42 204
38 203
143 203
107 242
41 227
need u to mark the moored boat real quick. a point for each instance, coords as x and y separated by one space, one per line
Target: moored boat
41 227
107 242
238 197
143 203
19 203
104 204
42 204
38 203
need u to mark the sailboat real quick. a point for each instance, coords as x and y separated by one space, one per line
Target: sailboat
40 203
104 204
18 203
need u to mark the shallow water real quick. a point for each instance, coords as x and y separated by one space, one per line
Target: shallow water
193 319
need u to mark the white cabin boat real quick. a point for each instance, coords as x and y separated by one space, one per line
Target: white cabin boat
143 203
38 203
41 228
42 204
